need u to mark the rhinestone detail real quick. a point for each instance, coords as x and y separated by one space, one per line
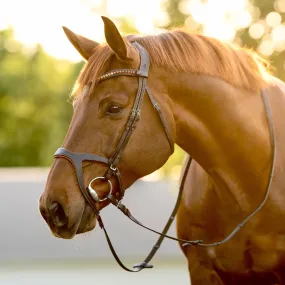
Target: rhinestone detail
117 72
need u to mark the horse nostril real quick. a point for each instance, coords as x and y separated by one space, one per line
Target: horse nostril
57 214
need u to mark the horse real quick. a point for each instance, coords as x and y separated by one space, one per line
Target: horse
221 105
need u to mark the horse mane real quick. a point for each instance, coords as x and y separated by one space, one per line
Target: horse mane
178 50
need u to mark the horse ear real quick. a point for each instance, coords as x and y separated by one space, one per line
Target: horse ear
115 40
83 45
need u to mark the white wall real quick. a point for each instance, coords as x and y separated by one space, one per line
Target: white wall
25 235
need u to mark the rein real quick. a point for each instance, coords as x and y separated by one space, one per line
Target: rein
91 195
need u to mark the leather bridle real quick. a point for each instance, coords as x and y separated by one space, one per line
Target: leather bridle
77 158
115 198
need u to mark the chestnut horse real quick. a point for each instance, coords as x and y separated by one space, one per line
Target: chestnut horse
210 101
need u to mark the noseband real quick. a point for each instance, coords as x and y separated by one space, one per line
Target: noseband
115 198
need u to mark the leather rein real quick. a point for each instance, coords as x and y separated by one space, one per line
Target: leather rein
91 195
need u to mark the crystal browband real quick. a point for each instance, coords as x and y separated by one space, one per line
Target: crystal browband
119 72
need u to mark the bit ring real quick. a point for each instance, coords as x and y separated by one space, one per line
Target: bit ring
93 192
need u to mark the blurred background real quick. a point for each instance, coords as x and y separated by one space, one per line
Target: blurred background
38 67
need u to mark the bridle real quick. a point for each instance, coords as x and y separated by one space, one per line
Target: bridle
91 195
134 117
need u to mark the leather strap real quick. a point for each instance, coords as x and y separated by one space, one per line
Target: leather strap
145 62
127 212
123 208
130 125
162 119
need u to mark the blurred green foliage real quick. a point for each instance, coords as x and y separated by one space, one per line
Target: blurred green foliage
34 113
34 92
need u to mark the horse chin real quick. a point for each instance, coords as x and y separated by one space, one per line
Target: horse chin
63 233
88 221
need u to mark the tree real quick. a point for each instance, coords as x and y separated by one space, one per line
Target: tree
34 116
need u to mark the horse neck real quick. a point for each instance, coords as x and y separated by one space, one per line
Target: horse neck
225 130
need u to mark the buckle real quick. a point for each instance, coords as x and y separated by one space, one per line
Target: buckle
113 168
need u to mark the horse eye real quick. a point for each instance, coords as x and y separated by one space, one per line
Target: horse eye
114 109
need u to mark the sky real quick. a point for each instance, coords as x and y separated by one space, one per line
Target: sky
40 21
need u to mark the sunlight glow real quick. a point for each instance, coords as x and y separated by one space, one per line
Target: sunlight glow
162 19
125 7
273 19
266 47
241 20
256 31
279 6
278 33
44 25
254 11
191 24
280 46
42 21
221 23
